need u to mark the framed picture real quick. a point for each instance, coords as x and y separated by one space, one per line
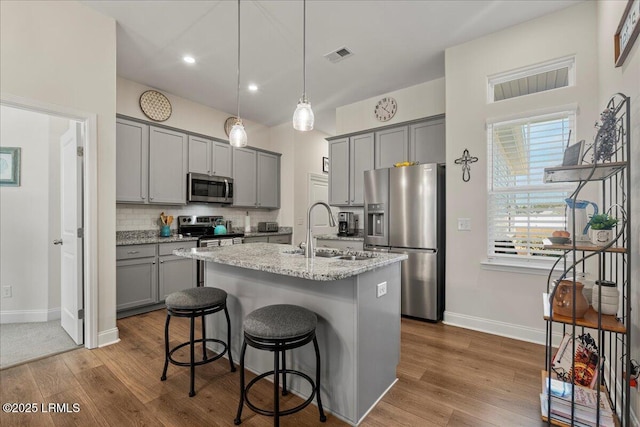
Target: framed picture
325 164
627 31
573 154
10 166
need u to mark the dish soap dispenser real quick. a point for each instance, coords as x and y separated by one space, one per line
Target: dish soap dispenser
247 223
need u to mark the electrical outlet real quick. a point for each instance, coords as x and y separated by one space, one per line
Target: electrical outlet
464 224
6 292
381 289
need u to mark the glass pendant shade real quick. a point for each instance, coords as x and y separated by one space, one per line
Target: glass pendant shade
303 116
238 136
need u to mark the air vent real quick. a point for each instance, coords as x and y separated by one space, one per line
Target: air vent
339 54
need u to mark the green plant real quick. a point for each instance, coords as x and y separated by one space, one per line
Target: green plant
602 222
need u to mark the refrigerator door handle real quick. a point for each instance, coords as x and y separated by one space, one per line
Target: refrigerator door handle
397 248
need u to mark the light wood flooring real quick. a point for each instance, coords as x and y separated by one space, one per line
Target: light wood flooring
447 377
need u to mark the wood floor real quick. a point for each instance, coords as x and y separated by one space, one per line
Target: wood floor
447 377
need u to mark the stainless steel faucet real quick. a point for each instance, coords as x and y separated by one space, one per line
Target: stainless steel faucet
309 249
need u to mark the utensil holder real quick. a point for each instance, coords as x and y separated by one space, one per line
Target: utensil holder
165 231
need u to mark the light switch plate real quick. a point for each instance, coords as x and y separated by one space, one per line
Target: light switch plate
464 224
6 292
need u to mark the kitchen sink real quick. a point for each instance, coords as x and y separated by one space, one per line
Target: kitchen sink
334 255
352 258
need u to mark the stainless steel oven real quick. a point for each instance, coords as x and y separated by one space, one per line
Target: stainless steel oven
211 189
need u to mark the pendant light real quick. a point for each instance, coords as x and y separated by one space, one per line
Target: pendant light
237 135
303 116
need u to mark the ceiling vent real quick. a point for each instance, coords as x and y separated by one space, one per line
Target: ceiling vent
339 54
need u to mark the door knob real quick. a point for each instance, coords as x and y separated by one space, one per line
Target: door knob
57 242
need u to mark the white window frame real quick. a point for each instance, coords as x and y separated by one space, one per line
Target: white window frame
531 264
531 70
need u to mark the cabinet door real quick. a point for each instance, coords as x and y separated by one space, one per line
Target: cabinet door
392 146
257 239
200 155
268 180
339 172
136 283
168 164
427 142
132 161
362 159
283 239
244 177
176 274
221 159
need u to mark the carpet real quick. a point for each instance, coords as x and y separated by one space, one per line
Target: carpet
21 342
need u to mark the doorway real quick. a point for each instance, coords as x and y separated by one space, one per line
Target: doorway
35 210
319 192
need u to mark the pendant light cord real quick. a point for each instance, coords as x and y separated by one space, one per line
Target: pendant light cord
304 50
238 91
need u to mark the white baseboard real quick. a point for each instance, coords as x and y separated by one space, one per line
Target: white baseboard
108 337
29 316
509 330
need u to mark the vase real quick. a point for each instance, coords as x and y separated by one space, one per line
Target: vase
563 299
606 297
601 237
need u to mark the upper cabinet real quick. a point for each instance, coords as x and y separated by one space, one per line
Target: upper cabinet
209 157
427 141
256 179
392 146
348 159
339 172
151 164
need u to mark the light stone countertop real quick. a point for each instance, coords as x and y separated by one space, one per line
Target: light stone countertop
287 260
144 237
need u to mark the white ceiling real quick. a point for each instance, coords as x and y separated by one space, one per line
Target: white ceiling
396 44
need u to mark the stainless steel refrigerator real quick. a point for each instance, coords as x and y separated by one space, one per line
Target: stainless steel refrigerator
404 213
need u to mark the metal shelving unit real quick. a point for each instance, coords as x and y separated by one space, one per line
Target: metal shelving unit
613 333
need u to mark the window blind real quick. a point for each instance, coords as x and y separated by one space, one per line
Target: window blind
522 209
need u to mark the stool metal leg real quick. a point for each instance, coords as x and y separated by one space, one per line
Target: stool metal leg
166 348
276 389
284 374
323 417
237 421
226 313
192 391
204 344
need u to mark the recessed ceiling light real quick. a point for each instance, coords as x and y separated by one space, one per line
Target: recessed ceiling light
253 87
189 59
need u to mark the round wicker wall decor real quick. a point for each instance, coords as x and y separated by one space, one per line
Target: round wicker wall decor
155 105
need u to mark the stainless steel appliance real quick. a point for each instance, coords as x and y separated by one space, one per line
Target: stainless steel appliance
202 227
267 226
210 189
347 224
404 213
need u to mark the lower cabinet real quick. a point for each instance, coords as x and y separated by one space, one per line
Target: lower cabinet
146 274
352 245
282 239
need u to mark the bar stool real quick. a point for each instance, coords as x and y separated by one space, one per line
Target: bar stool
278 328
192 303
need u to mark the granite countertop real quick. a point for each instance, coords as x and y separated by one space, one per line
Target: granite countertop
142 237
287 260
358 237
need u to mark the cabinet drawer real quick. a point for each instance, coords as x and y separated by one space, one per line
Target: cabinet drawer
280 239
135 251
257 239
168 248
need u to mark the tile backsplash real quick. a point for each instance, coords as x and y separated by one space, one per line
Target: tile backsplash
147 217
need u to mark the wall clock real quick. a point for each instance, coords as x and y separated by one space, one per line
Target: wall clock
228 124
155 105
627 31
385 109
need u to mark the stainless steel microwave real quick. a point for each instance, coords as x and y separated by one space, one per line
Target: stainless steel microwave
210 189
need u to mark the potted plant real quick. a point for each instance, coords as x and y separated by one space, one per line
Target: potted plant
601 228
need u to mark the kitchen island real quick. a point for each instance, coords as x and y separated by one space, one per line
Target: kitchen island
358 331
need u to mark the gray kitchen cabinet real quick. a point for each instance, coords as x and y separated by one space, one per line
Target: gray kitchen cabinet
392 146
351 245
256 178
175 274
256 239
136 276
427 141
132 161
209 157
348 159
168 165
282 239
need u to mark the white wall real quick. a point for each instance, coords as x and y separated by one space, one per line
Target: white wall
625 79
64 53
507 303
415 102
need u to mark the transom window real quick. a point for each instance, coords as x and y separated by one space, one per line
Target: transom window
523 210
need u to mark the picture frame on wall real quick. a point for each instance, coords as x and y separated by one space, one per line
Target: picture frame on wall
10 166
325 164
627 31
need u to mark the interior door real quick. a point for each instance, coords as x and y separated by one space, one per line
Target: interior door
319 192
71 223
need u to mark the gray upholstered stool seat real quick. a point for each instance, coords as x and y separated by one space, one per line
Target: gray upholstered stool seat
192 303
196 298
278 328
280 321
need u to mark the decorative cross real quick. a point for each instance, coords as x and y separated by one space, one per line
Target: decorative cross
465 161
